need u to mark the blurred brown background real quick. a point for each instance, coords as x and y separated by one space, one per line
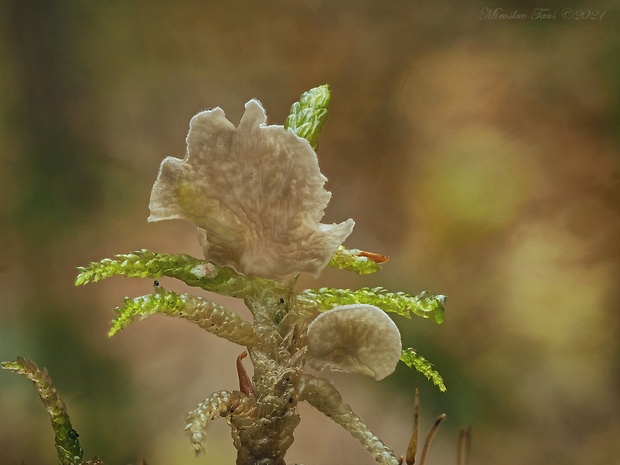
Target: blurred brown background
481 155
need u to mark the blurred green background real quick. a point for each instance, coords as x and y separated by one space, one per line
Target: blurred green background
481 155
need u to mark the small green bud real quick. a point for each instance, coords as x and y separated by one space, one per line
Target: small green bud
307 116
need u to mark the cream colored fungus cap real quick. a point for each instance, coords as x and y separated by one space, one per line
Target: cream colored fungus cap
255 192
355 338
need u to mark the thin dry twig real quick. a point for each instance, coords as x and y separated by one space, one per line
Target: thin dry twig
430 436
412 448
464 446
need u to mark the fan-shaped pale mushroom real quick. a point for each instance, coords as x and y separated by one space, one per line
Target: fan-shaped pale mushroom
256 193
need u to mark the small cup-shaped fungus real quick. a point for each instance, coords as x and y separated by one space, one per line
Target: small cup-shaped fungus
355 338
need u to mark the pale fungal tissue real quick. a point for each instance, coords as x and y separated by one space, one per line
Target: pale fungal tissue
256 194
355 338
202 270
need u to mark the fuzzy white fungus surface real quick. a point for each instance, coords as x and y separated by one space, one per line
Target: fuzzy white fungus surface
256 193
354 338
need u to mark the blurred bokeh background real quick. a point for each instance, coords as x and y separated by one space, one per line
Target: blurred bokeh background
480 154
